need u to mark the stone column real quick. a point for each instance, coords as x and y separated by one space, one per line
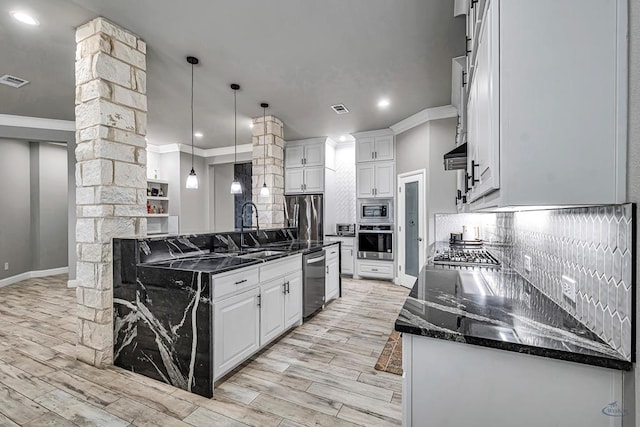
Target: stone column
269 170
111 156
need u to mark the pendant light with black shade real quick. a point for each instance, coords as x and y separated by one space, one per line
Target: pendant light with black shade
264 191
192 179
236 187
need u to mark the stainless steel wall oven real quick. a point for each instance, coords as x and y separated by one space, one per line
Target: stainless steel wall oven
375 242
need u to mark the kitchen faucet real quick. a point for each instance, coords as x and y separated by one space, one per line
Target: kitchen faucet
242 225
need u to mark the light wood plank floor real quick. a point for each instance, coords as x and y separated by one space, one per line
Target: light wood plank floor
320 373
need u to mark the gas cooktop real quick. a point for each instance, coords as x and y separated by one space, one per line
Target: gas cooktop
466 258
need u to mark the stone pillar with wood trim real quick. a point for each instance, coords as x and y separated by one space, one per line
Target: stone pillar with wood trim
111 158
269 170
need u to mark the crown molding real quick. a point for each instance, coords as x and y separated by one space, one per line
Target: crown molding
211 152
379 132
426 115
37 123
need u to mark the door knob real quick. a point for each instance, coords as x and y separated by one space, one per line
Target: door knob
419 239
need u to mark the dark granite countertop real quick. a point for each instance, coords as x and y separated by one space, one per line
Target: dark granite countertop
220 262
500 309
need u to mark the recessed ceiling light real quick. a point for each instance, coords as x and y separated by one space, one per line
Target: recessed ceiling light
383 103
343 138
24 17
251 124
198 135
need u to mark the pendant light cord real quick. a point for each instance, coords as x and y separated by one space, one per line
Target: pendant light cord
264 122
235 130
192 151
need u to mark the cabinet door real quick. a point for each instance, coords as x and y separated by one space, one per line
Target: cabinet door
347 260
365 148
314 179
486 161
332 281
236 330
365 180
383 149
314 155
293 300
384 173
293 156
294 180
271 310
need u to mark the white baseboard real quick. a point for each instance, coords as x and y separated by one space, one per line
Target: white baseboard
32 274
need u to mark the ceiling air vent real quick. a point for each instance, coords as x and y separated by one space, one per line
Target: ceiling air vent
340 109
13 81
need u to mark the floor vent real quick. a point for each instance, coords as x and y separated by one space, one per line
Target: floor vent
13 81
340 109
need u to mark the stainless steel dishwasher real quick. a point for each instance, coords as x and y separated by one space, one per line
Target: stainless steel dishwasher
313 270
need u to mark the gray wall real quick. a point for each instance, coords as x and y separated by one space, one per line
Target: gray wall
222 198
422 147
633 175
33 193
194 204
15 220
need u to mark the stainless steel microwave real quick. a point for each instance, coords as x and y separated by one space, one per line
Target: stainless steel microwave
375 211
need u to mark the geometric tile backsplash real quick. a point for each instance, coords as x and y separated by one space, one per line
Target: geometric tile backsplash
589 245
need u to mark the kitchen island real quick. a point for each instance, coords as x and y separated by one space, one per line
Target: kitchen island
456 327
188 309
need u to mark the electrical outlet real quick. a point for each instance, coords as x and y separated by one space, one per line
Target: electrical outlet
527 263
569 288
6 266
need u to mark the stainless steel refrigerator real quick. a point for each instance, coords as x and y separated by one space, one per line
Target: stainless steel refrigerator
305 213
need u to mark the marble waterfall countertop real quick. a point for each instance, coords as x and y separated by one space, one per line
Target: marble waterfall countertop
499 309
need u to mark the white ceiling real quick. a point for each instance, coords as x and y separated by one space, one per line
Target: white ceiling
300 56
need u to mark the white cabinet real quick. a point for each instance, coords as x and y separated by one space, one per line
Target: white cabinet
547 111
447 383
236 325
346 252
332 280
271 309
374 269
374 148
293 300
308 153
375 179
305 168
304 180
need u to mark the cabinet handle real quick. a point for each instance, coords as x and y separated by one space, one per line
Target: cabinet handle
473 2
374 269
464 76
466 183
327 269
284 288
241 281
288 291
467 45
351 252
375 154
464 199
474 165
259 300
459 195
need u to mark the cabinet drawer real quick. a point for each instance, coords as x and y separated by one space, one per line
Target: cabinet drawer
280 267
332 252
226 284
381 270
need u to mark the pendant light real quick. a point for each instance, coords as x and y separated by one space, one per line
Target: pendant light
192 179
236 188
264 191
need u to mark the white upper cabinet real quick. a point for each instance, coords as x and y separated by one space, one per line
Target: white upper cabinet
375 179
547 102
305 153
374 146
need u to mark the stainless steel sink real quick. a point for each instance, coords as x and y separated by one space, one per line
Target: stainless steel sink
261 254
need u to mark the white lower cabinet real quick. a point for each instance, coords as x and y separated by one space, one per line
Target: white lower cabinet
374 269
271 309
253 306
447 383
346 252
332 280
236 330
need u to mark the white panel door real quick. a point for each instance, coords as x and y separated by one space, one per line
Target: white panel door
293 300
384 175
294 180
293 156
314 179
365 180
271 310
236 330
383 149
365 148
314 154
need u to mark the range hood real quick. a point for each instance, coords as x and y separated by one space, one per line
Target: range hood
456 158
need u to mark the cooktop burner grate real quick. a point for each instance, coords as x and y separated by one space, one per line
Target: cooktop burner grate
466 258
